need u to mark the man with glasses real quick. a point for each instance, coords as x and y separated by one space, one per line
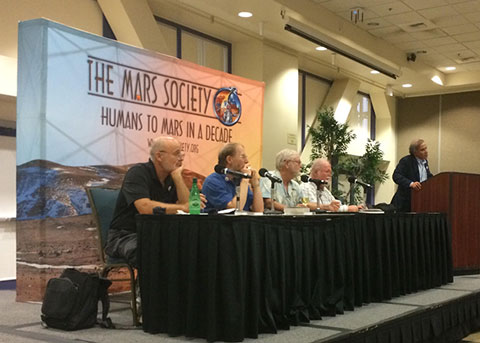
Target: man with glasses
220 189
157 184
409 174
287 193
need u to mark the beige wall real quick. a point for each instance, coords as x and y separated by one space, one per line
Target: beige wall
449 124
280 110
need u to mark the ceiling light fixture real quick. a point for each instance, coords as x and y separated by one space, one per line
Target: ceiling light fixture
407 85
370 60
437 80
450 68
320 48
245 14
374 72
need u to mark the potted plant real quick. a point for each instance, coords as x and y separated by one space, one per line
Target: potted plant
330 140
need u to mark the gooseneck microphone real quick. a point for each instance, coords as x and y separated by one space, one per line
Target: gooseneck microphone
306 178
265 173
222 170
353 179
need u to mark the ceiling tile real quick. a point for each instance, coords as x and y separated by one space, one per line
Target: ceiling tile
455 1
418 5
471 66
458 29
437 12
462 53
390 8
404 18
439 41
339 6
451 20
450 47
474 17
381 32
473 44
431 34
399 37
467 37
411 46
467 7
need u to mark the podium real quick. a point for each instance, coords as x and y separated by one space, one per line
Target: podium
457 195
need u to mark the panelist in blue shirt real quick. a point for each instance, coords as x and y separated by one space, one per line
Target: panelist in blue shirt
409 173
220 188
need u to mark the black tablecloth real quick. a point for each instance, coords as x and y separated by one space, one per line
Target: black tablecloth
231 277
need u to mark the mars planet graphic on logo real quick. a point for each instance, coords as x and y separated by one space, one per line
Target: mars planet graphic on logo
227 106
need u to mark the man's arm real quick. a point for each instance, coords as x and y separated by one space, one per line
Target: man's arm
401 175
182 190
146 206
257 204
276 205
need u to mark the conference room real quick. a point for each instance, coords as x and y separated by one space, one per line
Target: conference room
87 85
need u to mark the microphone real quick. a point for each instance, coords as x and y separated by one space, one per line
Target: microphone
265 173
353 179
222 170
306 178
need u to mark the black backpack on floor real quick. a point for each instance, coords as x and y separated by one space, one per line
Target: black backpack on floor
71 301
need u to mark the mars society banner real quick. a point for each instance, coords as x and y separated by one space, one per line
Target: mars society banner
86 100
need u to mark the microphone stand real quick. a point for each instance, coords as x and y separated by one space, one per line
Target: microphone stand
237 181
352 193
318 210
272 209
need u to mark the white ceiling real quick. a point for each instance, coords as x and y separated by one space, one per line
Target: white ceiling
440 33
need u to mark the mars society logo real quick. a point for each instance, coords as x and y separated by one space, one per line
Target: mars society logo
227 106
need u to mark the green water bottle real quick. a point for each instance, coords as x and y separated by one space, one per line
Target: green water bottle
194 198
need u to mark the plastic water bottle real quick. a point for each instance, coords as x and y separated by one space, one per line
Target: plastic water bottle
194 198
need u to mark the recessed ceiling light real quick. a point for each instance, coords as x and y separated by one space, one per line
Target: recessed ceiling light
450 68
374 72
320 48
407 85
245 14
437 80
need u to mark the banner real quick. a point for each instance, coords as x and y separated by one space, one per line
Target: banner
88 108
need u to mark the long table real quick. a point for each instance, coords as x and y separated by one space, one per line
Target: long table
231 277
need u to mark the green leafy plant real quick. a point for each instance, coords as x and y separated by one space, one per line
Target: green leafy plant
330 140
366 167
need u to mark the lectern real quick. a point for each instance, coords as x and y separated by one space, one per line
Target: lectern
457 195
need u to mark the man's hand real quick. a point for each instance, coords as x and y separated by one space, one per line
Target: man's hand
334 206
177 172
203 201
416 186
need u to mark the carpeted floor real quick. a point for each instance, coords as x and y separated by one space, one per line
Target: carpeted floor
20 322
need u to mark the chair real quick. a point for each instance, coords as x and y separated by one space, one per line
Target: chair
102 201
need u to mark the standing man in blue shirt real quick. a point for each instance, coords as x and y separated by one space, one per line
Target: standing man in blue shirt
410 172
220 189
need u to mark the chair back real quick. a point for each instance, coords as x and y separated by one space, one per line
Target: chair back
102 201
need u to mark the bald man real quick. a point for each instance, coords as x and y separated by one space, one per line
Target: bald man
322 170
156 183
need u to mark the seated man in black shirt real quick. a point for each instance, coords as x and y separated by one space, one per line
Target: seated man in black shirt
156 183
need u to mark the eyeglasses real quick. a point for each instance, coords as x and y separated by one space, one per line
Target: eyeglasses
177 154
295 161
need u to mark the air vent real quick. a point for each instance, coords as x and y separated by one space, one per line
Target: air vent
418 26
469 59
